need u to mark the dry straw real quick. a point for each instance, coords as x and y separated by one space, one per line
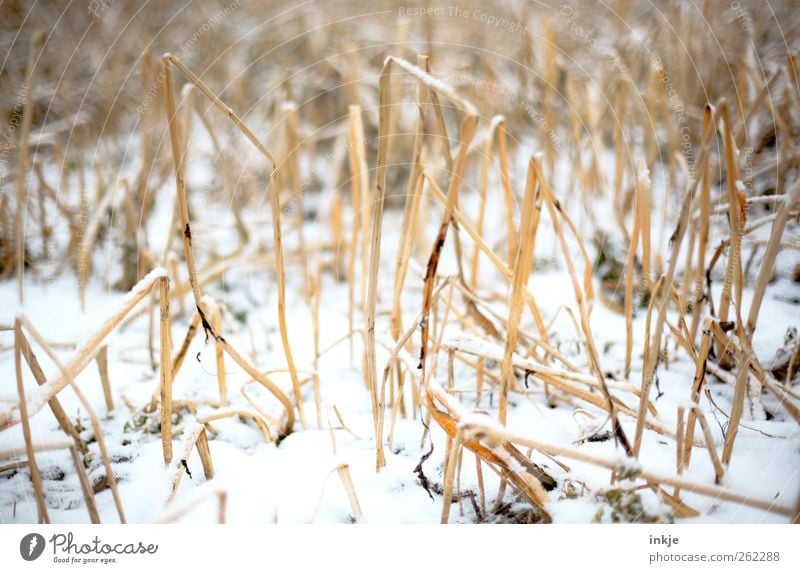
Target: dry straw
179 160
476 328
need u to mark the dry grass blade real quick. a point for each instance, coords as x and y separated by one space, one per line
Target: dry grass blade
187 340
427 291
13 452
412 201
527 479
88 241
508 191
347 481
782 394
84 355
449 475
22 161
315 288
269 385
165 370
557 378
102 368
504 269
642 180
111 480
699 378
716 492
218 103
435 85
594 359
178 157
33 468
645 214
55 406
483 194
269 437
702 247
532 488
737 218
531 213
396 349
467 132
375 253
86 486
740 389
213 310
282 326
652 349
357 175
770 254
719 471
194 437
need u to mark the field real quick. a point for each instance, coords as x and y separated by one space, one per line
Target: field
399 263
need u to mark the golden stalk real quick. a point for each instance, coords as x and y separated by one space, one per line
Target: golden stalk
582 296
702 247
531 213
504 269
111 480
55 406
214 311
699 378
84 355
374 261
194 438
165 371
715 492
792 197
508 191
642 180
183 209
719 471
22 161
652 349
449 474
347 481
737 218
33 468
102 368
355 160
86 486
413 191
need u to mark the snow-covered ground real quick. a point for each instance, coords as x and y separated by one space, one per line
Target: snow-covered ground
296 480
266 59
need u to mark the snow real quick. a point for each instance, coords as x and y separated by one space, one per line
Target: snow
296 481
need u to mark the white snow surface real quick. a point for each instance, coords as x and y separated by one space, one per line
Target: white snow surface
295 481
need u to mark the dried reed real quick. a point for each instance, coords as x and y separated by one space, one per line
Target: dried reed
531 212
